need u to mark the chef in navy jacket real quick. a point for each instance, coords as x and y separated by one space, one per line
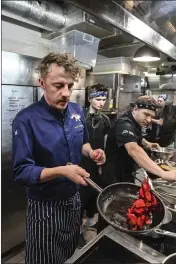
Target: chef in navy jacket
49 138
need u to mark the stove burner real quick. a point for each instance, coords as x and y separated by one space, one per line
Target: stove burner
163 244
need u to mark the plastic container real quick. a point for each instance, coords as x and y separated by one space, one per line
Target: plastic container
82 46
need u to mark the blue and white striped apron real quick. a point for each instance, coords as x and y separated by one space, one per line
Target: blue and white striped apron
52 230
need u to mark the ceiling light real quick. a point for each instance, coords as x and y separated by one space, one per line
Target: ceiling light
146 54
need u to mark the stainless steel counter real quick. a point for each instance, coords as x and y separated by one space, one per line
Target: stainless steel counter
130 243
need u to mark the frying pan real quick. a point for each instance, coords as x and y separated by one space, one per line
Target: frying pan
171 259
113 203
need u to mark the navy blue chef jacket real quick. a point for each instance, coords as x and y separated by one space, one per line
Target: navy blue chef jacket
44 138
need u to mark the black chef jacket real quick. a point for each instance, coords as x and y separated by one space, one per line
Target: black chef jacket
119 165
98 126
168 129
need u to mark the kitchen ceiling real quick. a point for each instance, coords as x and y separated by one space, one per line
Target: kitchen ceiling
108 20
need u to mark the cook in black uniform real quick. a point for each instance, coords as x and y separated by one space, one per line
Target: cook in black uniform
98 125
164 127
124 148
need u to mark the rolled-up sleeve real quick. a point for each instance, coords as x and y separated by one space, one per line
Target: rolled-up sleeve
25 170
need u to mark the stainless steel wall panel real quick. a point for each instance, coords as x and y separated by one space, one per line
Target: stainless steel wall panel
14 98
124 101
154 81
131 84
78 97
19 69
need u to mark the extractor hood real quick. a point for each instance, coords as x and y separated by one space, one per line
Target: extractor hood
120 65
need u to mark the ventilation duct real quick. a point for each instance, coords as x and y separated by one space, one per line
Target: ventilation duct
53 17
42 14
160 15
124 20
163 13
163 9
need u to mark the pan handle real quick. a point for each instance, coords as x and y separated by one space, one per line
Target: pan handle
165 233
89 181
93 184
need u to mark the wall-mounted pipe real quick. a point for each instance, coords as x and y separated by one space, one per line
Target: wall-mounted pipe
42 14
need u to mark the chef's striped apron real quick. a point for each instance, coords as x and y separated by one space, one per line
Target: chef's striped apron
52 230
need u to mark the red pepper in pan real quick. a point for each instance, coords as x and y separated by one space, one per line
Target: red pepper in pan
134 228
140 221
141 193
139 213
132 219
154 201
147 220
139 203
148 196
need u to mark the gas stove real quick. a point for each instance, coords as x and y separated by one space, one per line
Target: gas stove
114 247
163 244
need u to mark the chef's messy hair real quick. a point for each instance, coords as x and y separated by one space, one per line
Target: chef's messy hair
65 60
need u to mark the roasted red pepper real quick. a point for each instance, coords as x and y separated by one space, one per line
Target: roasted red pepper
139 214
132 219
140 221
148 220
139 203
148 196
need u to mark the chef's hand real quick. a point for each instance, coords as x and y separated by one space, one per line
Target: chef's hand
169 175
158 121
151 145
98 156
76 174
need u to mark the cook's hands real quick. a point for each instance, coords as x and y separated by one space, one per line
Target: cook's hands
158 122
76 174
169 175
98 156
151 145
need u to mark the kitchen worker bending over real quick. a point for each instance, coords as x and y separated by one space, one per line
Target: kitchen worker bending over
47 136
124 148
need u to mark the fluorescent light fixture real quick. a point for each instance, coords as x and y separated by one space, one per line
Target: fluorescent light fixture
146 54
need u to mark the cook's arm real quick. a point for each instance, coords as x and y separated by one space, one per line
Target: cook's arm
158 121
25 171
86 150
143 160
149 145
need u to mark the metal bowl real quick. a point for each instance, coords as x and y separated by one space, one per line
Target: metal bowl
164 154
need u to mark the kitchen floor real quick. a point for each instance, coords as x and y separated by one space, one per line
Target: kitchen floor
19 256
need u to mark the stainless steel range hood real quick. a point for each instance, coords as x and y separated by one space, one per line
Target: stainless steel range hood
56 18
121 18
120 65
